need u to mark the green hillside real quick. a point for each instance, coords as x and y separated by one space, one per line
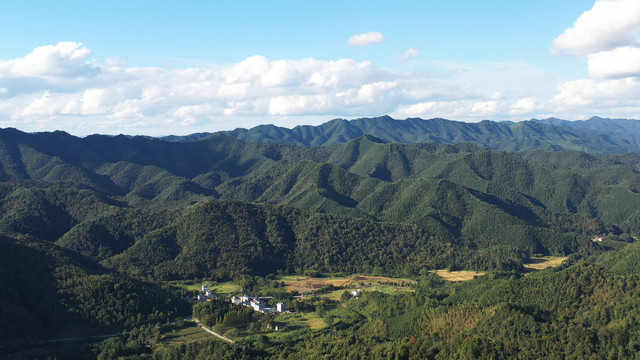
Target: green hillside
48 292
100 227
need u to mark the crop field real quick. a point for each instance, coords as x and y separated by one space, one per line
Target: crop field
456 276
541 263
304 284
387 289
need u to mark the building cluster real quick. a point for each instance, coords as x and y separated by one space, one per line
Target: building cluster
258 304
203 295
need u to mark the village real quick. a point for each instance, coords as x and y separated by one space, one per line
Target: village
257 304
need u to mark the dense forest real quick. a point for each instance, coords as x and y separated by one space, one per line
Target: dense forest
93 230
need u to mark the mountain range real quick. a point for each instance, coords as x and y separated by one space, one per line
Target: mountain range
596 135
104 213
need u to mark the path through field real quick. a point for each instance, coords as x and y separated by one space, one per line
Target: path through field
213 332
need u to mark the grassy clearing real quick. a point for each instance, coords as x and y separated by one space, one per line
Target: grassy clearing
226 288
316 323
182 334
456 276
544 262
190 287
296 324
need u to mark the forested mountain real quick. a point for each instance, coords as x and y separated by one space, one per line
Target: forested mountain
107 217
597 136
479 197
620 126
46 290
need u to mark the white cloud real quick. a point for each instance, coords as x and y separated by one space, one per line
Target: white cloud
523 106
607 35
411 53
298 104
609 24
88 96
65 59
485 108
422 108
620 62
370 38
598 94
371 92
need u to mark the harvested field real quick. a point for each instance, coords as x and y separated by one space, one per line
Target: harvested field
303 284
456 276
545 262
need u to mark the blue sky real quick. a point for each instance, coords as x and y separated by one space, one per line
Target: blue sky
161 67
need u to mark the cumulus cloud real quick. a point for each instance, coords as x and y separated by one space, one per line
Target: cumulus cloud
369 38
69 90
607 35
65 59
606 93
411 53
523 106
607 25
619 62
454 109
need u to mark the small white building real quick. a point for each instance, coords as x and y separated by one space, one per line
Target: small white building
356 293
257 305
205 288
201 298
281 307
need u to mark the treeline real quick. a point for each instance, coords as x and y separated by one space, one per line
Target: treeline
223 313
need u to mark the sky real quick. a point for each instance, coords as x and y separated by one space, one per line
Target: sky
180 67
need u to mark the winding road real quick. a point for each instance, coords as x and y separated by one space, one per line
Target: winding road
213 332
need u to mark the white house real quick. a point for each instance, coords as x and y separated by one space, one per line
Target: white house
281 307
257 305
356 293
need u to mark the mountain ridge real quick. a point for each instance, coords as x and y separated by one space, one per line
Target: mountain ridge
596 135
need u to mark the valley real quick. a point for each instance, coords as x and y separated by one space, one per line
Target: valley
457 249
